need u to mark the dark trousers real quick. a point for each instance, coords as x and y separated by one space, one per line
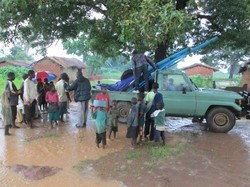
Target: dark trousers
101 138
143 69
149 128
14 113
30 110
158 135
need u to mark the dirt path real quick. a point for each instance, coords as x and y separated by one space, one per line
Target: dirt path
192 157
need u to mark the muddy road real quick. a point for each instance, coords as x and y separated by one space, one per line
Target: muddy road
67 156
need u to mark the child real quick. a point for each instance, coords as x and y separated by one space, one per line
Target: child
159 119
142 109
6 112
104 96
100 115
133 122
53 99
113 115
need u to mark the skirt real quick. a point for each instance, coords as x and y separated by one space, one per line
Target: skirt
54 116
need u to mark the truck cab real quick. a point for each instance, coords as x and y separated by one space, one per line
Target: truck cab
183 98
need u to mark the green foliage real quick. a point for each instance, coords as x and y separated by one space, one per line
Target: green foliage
218 77
110 28
133 155
226 58
19 71
202 81
17 53
152 22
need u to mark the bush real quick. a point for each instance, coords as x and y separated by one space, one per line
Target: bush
202 81
19 71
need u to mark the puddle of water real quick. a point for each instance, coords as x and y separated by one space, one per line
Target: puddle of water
66 146
61 147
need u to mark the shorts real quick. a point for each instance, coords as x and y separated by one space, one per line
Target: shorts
101 138
159 134
135 131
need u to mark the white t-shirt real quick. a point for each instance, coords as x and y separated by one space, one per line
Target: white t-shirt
61 91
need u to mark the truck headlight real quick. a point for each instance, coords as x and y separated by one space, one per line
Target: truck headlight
239 101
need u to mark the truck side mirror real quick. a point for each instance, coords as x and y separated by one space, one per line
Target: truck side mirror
184 90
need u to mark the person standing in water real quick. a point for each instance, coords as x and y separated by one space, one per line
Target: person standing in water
82 95
13 97
52 99
29 98
6 112
62 93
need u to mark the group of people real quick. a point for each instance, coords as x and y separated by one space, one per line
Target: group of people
10 97
146 118
47 96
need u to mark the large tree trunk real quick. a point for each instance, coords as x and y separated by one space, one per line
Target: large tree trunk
161 52
232 70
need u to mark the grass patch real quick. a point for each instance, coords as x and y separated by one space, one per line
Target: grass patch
160 152
157 152
51 136
82 165
133 155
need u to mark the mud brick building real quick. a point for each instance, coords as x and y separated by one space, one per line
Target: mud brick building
199 69
245 71
58 65
16 63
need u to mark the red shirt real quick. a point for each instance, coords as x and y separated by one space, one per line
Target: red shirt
52 97
104 97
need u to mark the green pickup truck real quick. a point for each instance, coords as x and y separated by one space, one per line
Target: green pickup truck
182 98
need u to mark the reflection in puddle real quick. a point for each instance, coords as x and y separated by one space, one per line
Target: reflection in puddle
34 172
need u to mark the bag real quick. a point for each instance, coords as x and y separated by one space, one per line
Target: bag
53 107
129 132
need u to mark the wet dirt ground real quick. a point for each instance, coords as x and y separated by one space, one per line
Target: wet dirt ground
192 156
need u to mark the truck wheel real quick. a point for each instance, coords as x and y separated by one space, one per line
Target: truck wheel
123 108
220 120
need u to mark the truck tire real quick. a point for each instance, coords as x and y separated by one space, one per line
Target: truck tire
220 119
123 108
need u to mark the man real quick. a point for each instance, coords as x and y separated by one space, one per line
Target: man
29 98
13 96
140 65
152 98
82 95
61 86
25 76
171 86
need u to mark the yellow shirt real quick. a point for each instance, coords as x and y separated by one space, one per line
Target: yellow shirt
150 97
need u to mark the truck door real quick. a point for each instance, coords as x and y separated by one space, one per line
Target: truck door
178 95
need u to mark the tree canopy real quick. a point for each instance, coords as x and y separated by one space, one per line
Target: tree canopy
109 28
17 53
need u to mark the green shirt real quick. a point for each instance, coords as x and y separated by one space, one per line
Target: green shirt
101 120
159 117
